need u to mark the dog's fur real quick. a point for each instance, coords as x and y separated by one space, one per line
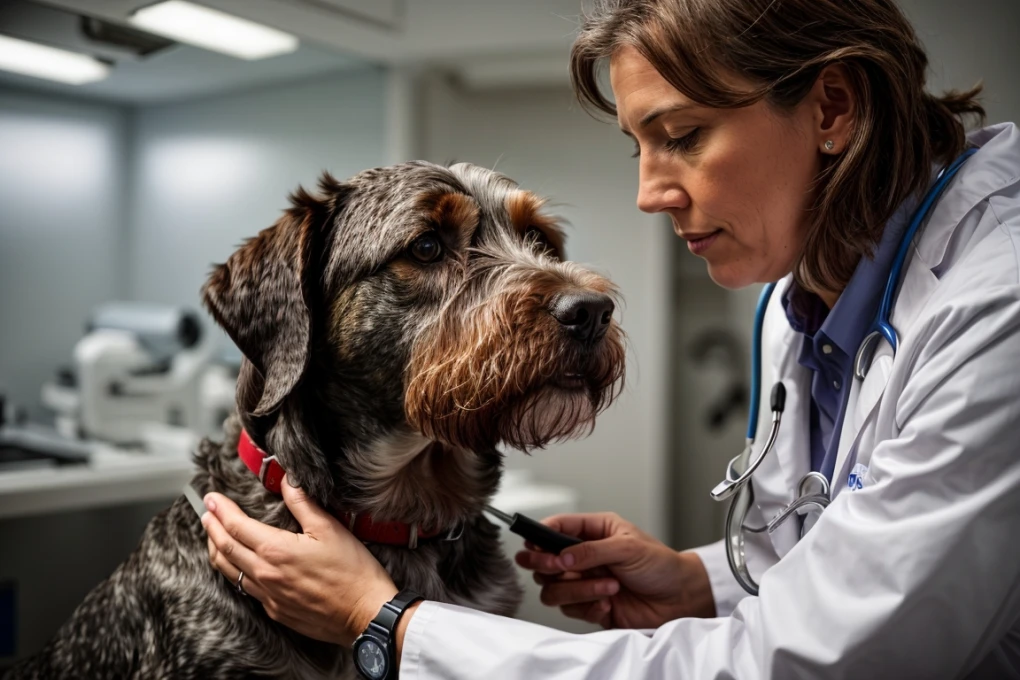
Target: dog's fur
383 384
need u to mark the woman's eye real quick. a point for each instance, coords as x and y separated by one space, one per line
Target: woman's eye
426 249
686 143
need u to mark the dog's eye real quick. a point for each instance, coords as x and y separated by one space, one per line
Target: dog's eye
426 249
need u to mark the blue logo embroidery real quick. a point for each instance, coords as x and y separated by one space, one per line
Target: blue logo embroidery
855 481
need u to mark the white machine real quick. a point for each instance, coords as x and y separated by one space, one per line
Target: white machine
140 364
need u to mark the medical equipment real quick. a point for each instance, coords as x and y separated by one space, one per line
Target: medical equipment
537 533
25 445
814 489
140 364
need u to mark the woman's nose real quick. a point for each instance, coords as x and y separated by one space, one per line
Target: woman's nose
658 193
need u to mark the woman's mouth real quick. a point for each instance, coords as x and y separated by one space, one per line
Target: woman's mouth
699 243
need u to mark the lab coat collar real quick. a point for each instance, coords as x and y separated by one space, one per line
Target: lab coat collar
994 167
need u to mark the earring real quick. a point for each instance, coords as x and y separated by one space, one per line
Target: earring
829 145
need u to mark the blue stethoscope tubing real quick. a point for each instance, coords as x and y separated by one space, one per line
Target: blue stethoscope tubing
759 323
881 328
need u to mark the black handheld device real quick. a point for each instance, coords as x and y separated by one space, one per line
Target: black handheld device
535 532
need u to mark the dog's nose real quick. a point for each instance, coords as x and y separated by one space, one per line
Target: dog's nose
585 316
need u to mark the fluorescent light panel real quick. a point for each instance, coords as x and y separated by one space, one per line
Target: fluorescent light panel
213 30
40 61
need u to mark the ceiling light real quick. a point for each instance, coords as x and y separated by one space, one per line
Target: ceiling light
40 61
213 30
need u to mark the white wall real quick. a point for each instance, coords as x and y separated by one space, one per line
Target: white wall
969 42
62 233
100 202
541 139
211 173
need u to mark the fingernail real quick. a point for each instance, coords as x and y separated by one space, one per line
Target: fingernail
210 503
205 520
567 561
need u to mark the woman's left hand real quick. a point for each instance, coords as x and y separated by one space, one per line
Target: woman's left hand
323 583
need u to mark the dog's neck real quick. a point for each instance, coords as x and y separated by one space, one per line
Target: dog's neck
353 455
364 527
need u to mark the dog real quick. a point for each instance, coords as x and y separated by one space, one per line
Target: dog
396 328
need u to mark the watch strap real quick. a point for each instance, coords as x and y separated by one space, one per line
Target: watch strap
390 614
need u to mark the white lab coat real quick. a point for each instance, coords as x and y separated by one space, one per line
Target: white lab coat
913 573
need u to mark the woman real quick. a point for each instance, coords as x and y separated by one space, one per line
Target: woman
788 141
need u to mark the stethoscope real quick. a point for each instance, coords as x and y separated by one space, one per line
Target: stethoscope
813 492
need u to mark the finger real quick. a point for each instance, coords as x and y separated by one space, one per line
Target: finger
545 563
248 584
238 555
312 518
543 579
607 552
251 533
578 592
590 526
595 612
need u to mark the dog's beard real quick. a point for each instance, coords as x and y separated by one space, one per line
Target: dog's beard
549 414
504 371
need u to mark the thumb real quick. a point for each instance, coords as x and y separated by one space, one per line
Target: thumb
306 511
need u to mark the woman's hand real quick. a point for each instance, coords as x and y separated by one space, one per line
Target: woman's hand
323 582
619 577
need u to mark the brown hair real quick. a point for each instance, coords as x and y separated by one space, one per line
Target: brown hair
781 46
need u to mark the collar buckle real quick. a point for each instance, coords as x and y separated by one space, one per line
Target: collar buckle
264 468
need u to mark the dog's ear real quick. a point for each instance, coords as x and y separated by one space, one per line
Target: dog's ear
263 296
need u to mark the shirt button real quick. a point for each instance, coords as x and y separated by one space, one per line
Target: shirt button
826 349
835 384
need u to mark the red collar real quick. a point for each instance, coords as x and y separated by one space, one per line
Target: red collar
270 473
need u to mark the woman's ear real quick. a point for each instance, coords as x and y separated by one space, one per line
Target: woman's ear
835 107
262 296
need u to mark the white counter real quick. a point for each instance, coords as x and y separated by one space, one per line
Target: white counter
112 477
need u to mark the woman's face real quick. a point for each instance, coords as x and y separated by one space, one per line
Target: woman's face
737 183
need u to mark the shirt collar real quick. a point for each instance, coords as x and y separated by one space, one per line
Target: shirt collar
848 321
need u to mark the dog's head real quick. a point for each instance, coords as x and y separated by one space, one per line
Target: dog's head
424 299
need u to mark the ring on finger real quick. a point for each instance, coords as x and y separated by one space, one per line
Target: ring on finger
240 584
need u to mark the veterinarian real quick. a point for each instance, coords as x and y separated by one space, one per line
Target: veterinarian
790 142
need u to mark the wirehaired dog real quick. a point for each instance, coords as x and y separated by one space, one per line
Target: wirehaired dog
396 328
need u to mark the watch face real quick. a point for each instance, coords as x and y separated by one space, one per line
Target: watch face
371 659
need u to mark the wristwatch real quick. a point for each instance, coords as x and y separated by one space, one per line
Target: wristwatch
375 650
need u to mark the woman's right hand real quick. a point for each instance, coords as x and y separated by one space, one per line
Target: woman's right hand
619 577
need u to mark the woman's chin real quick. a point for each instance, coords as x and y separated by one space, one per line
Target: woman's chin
728 276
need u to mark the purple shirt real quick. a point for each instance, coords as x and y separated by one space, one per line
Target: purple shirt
831 338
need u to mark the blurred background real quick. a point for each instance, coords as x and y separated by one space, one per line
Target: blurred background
137 148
